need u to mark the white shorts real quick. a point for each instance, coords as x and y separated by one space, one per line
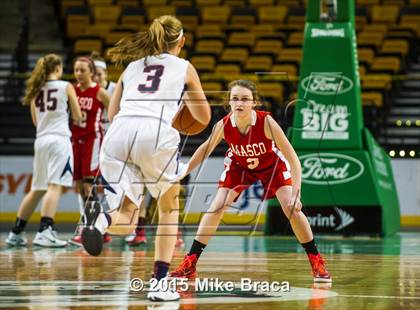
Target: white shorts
53 162
138 152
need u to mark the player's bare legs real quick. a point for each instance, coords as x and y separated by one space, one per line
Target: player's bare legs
46 236
50 202
167 230
211 219
206 230
297 219
29 203
303 233
16 236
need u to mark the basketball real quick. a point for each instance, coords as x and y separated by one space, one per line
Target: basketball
185 123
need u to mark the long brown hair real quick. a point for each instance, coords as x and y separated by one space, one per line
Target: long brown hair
246 84
162 35
44 67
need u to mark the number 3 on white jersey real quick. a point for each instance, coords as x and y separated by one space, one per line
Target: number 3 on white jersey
252 163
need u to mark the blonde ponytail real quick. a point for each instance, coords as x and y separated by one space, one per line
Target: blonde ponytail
162 35
44 67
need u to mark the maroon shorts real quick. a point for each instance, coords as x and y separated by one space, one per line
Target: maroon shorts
86 157
237 178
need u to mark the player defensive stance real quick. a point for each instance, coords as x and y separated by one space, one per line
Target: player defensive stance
141 146
255 141
49 99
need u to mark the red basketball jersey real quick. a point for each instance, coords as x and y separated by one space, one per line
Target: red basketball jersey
92 109
252 151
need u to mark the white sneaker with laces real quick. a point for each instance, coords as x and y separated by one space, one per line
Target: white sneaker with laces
162 292
16 239
48 238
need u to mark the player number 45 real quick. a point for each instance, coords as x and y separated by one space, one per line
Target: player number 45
50 104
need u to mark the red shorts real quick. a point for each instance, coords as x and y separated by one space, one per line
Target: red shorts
239 179
86 157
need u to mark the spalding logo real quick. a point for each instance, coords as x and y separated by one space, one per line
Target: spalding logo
327 83
330 168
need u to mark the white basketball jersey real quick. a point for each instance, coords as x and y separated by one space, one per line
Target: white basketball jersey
51 108
110 87
154 88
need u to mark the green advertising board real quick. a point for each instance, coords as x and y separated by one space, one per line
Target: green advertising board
347 181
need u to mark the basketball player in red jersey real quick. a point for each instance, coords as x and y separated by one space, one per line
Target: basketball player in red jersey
255 141
87 134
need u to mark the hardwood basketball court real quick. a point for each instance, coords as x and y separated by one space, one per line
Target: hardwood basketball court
368 273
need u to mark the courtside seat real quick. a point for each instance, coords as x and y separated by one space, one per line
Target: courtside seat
234 56
376 28
189 39
271 91
98 30
77 19
377 82
93 3
262 29
360 22
182 3
385 14
114 36
386 64
399 3
150 3
374 99
87 46
288 71
211 31
106 14
133 16
65 4
362 70
290 55
367 2
268 47
395 47
366 55
127 3
295 39
258 3
203 3
258 64
210 47
156 11
227 70
243 16
204 63
273 15
215 14
370 39
241 39
190 17
235 3
213 90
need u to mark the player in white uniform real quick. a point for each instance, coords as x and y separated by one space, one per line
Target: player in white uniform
141 147
48 99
